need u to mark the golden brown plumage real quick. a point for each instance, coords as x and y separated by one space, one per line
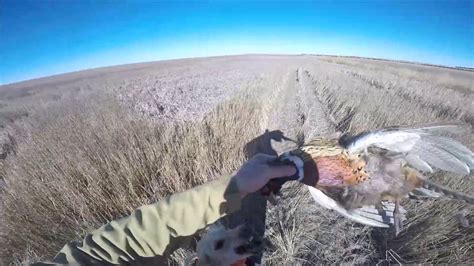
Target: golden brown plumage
383 165
335 165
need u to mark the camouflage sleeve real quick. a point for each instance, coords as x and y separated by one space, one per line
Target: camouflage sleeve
156 229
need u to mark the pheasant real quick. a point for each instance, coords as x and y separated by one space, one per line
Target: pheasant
374 168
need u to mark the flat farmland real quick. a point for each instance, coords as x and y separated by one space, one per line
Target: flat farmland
83 148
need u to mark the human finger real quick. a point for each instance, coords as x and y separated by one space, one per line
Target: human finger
265 158
281 171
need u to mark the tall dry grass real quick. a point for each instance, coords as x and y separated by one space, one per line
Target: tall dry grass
93 162
87 162
82 160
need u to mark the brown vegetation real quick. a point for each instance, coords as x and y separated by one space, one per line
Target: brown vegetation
88 147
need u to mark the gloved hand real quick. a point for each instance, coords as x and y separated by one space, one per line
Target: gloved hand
307 172
258 171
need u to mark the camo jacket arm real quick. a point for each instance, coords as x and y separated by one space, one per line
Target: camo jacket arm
156 229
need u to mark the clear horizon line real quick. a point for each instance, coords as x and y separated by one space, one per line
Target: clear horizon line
462 68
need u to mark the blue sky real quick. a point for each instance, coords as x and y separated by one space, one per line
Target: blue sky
41 38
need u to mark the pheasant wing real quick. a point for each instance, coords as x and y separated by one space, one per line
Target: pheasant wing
368 215
423 147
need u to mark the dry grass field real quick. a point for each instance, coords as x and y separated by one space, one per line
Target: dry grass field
80 149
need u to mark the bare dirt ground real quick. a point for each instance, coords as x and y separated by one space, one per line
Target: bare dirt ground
239 97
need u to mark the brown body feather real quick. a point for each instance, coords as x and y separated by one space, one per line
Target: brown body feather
366 178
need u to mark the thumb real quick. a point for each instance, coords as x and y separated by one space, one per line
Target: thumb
265 158
281 171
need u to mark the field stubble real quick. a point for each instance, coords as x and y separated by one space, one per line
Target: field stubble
84 149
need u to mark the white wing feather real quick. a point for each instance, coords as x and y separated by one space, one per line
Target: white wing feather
418 163
424 147
384 215
327 202
394 141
